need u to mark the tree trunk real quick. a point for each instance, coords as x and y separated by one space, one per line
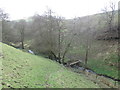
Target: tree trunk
22 39
87 48
59 51
22 45
53 54
86 57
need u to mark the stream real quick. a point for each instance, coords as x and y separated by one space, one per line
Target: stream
92 72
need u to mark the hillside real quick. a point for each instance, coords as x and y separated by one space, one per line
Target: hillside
103 45
23 70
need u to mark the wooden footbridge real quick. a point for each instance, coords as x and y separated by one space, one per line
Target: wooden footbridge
74 62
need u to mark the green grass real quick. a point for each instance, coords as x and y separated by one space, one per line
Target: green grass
21 69
100 56
101 68
105 61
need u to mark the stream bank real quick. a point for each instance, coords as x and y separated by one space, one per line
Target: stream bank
102 80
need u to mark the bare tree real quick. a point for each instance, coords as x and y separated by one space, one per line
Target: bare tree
88 40
21 28
3 15
3 18
51 40
60 28
63 48
109 13
45 28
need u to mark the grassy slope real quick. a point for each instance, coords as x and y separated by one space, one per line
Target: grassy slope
100 57
22 69
101 63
